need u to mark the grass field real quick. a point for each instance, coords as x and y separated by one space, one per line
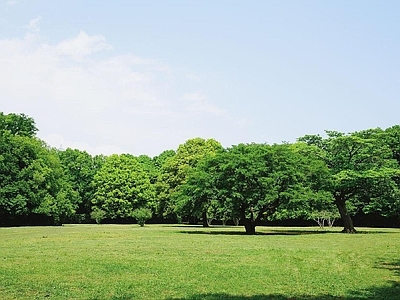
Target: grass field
188 263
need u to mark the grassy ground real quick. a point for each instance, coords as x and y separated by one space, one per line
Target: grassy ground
188 263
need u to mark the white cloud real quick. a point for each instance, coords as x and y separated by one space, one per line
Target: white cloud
194 78
121 103
33 24
12 2
198 103
82 45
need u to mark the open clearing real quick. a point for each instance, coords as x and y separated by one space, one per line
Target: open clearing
189 262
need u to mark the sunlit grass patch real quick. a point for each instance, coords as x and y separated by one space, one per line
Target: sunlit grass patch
191 262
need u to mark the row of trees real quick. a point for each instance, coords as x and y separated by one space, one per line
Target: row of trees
317 178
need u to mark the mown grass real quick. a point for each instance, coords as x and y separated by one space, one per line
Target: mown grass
188 263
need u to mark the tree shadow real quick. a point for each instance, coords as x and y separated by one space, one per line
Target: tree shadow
271 232
392 266
375 232
216 231
390 292
184 226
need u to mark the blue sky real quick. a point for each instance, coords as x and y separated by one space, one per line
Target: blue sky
144 76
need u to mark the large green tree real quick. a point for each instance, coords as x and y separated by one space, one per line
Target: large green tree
361 168
257 181
18 124
176 170
80 168
383 197
198 194
121 186
32 180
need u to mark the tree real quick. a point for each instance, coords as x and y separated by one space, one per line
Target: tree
142 215
121 186
254 181
18 124
359 163
61 207
322 216
98 214
198 195
31 177
80 168
176 169
32 180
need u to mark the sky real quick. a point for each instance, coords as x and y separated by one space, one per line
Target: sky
141 77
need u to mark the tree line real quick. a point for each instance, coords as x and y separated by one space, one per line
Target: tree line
322 178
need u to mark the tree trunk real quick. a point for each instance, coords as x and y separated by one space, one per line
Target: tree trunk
205 223
249 223
347 221
250 226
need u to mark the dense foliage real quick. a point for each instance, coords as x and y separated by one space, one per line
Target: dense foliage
121 186
32 179
318 178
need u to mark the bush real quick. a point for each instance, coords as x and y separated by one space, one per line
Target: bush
142 215
98 214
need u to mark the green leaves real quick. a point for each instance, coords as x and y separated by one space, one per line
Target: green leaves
61 207
358 172
142 215
121 186
254 181
32 180
358 163
17 124
175 171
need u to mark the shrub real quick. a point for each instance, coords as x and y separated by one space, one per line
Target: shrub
98 214
142 215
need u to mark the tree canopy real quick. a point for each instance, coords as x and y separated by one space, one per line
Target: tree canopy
361 167
121 186
32 180
176 169
254 182
316 178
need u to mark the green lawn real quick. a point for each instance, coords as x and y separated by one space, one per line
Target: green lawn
187 263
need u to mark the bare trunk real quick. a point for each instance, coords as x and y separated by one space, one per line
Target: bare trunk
331 221
249 223
340 202
205 223
320 222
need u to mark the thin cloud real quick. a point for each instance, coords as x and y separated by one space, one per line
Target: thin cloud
198 103
12 2
33 24
82 45
115 104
